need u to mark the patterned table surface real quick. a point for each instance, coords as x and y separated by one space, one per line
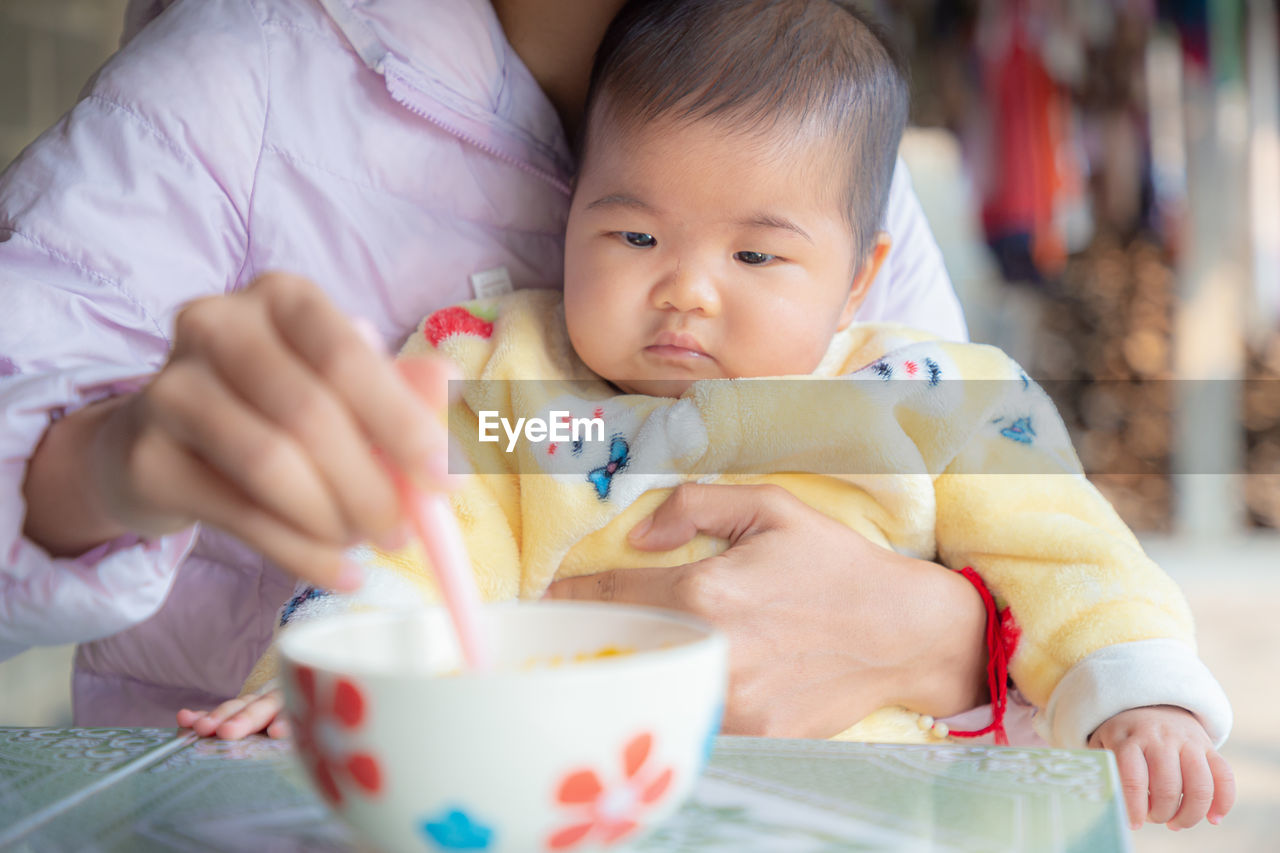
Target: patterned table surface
156 789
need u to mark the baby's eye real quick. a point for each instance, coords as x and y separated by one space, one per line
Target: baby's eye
638 239
754 258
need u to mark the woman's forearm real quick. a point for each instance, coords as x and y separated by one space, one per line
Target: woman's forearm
948 673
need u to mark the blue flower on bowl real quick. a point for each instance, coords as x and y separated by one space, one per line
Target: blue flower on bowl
456 830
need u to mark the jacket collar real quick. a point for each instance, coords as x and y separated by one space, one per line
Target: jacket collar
449 62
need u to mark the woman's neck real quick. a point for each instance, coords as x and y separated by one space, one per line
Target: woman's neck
557 41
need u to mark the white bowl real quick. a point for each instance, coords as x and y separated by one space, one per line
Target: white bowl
542 753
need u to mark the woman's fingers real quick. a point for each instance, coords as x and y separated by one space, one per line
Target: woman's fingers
388 410
796 585
653 587
297 413
429 378
729 512
268 468
312 415
176 479
276 421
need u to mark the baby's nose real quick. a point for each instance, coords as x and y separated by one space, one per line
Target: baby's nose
689 288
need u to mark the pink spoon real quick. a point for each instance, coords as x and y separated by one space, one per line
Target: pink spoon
436 527
433 522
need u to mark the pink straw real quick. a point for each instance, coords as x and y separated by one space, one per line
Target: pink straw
433 521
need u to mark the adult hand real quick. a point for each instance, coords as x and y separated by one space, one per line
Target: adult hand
824 626
273 419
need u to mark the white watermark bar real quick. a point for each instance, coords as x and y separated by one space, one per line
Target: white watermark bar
560 426
883 424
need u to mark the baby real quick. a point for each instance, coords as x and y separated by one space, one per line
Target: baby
736 162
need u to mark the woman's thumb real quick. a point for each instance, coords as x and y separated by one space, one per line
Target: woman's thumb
724 511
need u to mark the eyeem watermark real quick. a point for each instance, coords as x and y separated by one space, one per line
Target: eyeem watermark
560 427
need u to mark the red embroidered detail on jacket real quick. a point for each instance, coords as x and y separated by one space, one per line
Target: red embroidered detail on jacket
455 320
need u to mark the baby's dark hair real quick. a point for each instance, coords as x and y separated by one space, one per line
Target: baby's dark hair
766 65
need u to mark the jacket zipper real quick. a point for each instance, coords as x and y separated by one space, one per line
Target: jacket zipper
377 58
404 100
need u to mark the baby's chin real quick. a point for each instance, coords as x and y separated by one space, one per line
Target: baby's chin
654 387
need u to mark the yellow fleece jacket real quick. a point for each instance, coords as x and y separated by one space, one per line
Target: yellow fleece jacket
978 473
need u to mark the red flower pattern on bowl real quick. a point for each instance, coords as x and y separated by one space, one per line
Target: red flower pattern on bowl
318 734
609 815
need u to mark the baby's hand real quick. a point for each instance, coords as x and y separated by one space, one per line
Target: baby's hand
240 717
1169 771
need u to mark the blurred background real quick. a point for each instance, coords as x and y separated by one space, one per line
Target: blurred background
1103 177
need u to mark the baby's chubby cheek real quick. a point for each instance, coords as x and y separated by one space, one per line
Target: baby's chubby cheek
589 338
794 358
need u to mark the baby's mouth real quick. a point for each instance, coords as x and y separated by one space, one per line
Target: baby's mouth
677 346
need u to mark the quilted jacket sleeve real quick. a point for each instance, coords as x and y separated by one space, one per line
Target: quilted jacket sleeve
134 203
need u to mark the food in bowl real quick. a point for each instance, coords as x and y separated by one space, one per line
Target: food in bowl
580 657
583 755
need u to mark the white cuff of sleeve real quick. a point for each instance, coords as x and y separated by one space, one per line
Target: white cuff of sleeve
1133 675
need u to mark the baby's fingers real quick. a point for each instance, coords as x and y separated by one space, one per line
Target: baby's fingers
1132 765
257 715
1197 789
205 723
280 728
1165 783
188 717
1224 787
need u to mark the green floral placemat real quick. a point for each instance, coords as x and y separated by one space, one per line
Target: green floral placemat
761 795
40 768
820 795
214 795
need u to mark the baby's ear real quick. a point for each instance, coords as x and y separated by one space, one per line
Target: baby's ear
864 275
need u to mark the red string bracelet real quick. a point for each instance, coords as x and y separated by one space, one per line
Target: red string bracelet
1001 639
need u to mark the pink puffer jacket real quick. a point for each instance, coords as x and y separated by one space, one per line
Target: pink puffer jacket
388 149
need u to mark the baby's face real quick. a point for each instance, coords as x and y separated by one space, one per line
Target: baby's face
694 253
